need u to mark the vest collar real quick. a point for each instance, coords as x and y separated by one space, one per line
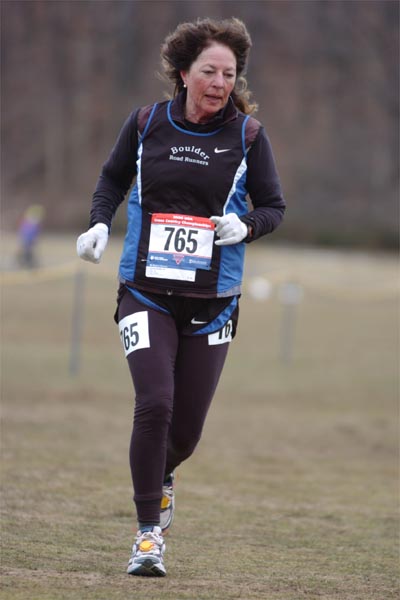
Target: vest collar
225 115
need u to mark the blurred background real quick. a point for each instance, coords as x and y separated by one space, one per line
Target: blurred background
325 75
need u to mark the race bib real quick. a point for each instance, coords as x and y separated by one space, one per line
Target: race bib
179 244
223 336
134 331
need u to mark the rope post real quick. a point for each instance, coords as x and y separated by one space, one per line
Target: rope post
77 322
290 294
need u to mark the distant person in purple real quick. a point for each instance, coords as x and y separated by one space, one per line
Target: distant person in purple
28 232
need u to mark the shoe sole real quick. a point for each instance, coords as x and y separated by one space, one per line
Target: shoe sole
148 568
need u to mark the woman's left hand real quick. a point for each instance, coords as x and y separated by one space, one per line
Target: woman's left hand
230 229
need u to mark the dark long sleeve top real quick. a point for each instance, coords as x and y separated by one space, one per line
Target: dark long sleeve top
262 181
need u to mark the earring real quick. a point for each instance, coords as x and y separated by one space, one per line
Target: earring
184 85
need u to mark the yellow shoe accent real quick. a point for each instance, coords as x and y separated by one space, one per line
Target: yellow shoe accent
165 502
146 546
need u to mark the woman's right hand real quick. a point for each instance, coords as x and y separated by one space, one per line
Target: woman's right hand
91 244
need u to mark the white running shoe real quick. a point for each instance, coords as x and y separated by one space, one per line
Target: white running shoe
167 504
147 554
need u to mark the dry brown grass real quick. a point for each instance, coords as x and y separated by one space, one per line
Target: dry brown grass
292 492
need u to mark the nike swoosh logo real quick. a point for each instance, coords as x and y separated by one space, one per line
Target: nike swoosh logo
218 151
196 322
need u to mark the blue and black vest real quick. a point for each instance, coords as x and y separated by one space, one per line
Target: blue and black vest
183 178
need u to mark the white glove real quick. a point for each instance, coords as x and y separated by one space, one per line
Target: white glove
91 244
230 229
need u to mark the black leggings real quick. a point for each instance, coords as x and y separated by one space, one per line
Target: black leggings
174 379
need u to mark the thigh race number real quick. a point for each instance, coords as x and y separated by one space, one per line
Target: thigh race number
134 332
223 336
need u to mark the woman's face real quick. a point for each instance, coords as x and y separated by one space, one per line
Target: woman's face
209 81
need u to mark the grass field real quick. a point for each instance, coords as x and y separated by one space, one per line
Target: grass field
293 490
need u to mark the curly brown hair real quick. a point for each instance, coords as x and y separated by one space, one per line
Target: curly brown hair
182 47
